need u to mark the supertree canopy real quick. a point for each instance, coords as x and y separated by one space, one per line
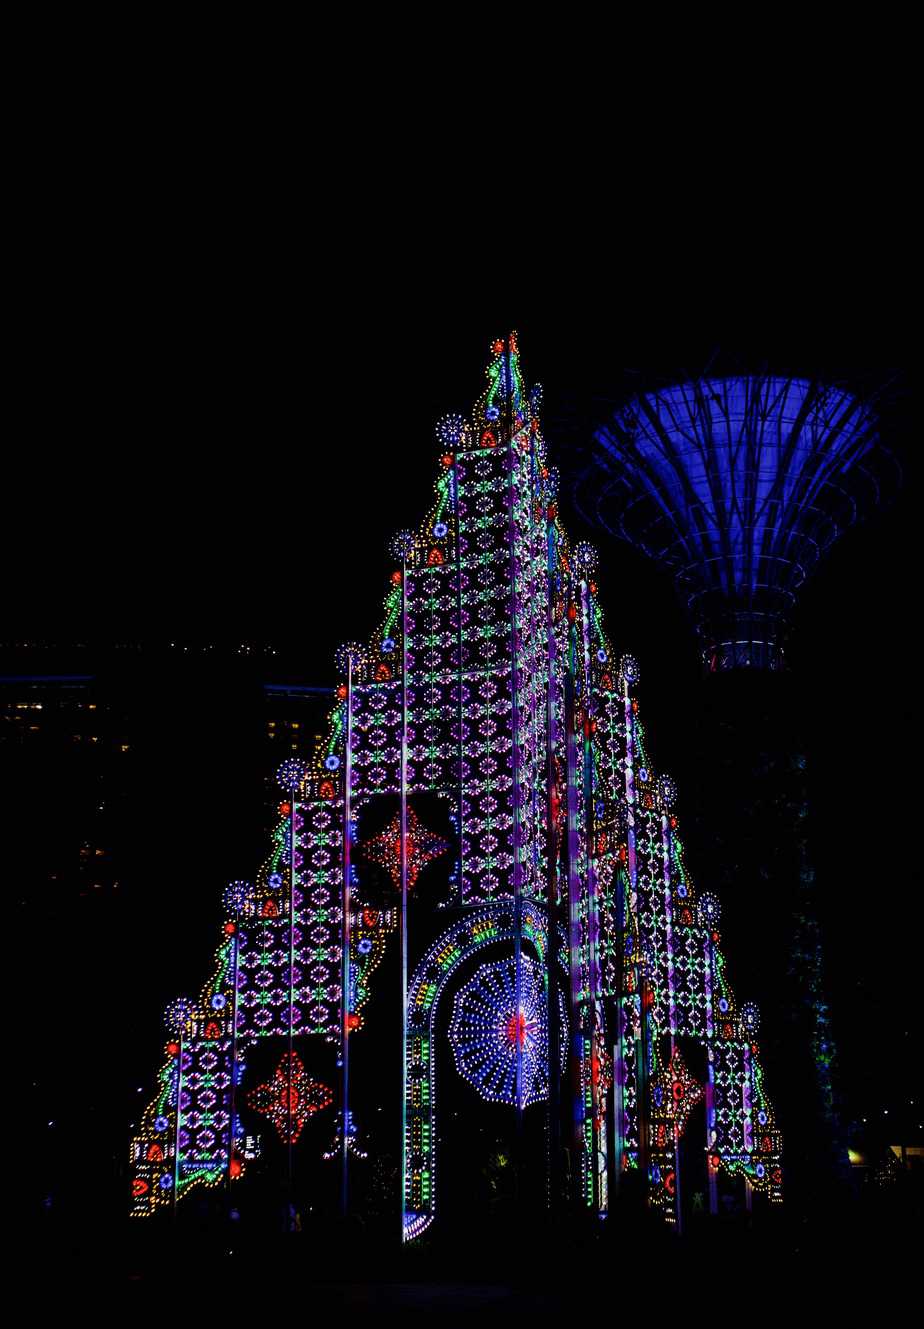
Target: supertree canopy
738 486
488 731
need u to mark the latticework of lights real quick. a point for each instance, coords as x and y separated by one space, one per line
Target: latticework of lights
492 685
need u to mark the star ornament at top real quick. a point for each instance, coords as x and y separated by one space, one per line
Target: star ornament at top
421 847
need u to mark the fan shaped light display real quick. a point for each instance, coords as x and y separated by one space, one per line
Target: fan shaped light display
489 1027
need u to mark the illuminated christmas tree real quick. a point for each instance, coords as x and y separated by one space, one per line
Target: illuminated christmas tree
585 977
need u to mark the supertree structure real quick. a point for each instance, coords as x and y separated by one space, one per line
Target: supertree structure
574 971
739 486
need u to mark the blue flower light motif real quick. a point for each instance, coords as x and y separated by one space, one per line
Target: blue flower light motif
178 1014
332 762
440 530
630 669
667 792
350 653
402 544
750 1017
585 558
292 773
710 911
450 430
236 895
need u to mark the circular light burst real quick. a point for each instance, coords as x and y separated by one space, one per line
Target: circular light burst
585 558
402 544
349 653
178 1014
710 910
750 1017
487 1029
236 896
450 430
667 792
291 774
630 669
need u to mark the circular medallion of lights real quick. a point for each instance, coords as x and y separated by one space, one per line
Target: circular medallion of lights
489 1026
629 667
291 774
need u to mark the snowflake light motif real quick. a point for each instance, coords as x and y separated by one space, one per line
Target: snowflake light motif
422 847
290 1098
487 1028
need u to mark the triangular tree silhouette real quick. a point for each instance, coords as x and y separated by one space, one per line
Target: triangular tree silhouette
581 961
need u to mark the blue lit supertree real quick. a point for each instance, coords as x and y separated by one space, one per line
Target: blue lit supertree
738 486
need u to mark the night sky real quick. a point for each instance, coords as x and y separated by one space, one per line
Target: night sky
218 455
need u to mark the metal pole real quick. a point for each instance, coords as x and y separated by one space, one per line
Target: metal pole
515 753
232 1097
594 995
619 1044
583 1156
554 1099
176 1151
666 846
642 981
404 947
345 942
711 1135
291 1002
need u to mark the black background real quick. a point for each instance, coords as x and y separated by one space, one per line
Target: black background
226 410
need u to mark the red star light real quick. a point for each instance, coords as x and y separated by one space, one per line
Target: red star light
422 847
290 1098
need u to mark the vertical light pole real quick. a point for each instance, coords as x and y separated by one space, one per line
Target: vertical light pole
642 984
345 945
594 995
515 758
711 1135
551 810
405 549
232 1092
666 849
289 1216
179 1097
